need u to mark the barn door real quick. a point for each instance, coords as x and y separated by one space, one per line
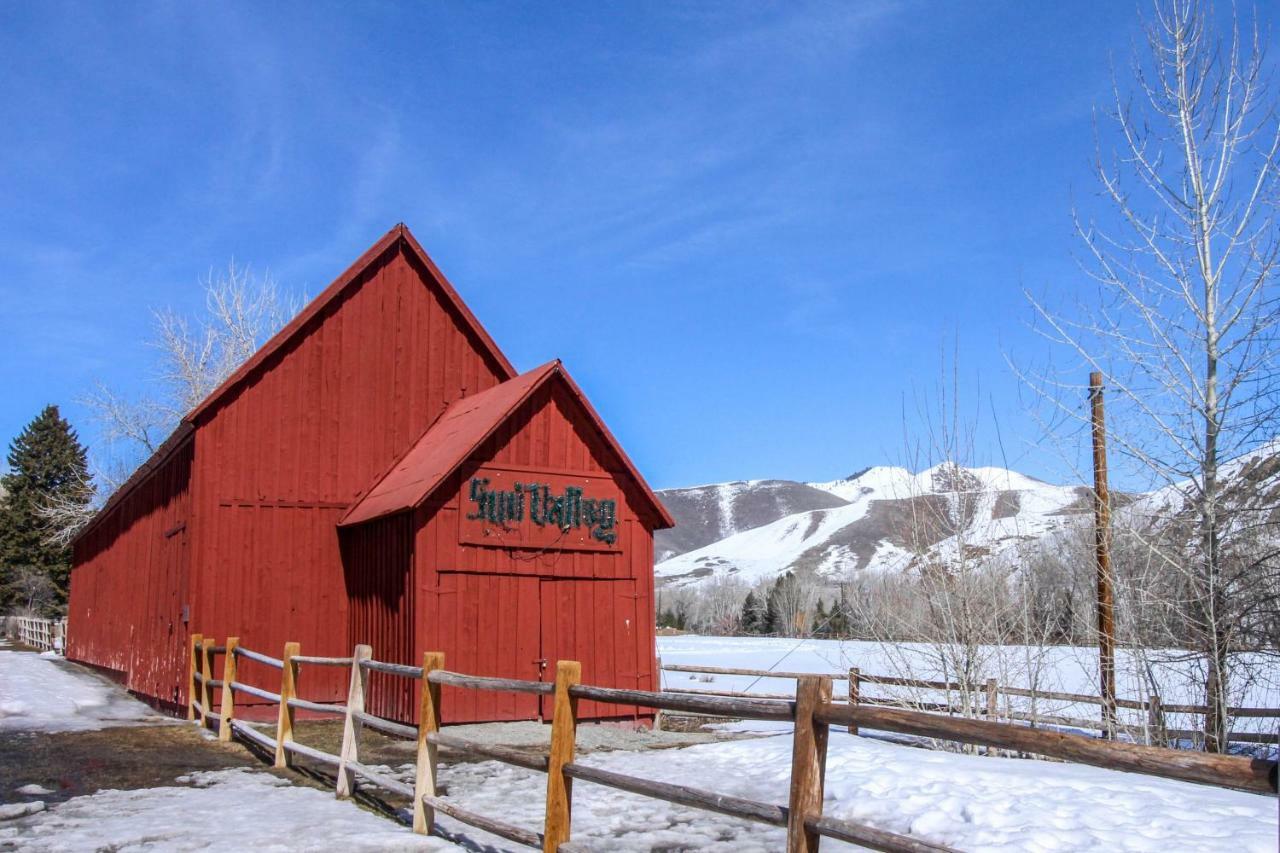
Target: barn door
485 624
594 622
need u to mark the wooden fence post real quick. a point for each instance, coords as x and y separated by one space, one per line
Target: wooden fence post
855 678
228 695
424 780
351 725
657 713
1155 720
808 763
993 707
564 732
206 673
191 679
288 690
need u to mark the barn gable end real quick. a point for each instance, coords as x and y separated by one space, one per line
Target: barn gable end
287 445
500 596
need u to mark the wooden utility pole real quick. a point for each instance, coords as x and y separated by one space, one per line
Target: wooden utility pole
1102 554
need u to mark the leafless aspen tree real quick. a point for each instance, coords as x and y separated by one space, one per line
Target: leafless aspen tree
194 356
1183 327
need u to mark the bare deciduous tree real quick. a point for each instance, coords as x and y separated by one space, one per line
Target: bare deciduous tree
194 356
1183 324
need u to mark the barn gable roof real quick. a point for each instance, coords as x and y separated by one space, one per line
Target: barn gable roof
460 431
400 234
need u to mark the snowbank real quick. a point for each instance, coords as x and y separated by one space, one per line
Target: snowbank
237 809
43 693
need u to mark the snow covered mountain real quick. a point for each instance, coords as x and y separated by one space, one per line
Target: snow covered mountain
882 519
1250 498
707 514
885 518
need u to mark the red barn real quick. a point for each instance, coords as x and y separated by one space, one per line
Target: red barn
378 473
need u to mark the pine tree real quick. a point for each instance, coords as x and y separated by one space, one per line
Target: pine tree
772 615
781 609
754 619
46 461
821 621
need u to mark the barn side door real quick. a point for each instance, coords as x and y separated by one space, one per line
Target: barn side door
486 624
594 622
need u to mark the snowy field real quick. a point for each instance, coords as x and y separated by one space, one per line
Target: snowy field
968 802
1066 669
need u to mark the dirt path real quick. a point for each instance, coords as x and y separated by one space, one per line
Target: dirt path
72 764
75 763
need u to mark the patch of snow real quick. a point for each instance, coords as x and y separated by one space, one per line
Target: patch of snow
46 694
13 811
238 809
760 552
34 790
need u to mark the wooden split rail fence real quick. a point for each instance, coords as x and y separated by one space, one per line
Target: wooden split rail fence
985 702
812 711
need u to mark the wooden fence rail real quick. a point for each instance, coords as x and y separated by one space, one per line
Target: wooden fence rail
813 711
985 701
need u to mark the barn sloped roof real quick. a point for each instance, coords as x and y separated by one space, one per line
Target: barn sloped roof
460 431
398 235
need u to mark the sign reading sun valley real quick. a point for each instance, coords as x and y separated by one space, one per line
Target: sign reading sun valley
531 510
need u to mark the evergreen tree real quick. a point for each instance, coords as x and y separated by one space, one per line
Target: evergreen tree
821 621
773 618
46 461
838 622
754 618
782 607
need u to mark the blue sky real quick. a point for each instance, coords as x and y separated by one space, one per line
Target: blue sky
750 231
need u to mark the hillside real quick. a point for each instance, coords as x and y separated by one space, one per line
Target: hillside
883 518
707 514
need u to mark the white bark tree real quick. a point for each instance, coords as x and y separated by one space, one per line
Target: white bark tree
1184 319
194 356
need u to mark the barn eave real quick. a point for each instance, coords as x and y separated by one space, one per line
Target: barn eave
461 431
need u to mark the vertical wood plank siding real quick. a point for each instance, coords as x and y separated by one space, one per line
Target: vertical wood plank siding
130 584
278 461
498 611
379 580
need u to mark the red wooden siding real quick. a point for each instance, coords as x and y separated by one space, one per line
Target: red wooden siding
292 447
595 622
486 625
591 606
378 559
130 585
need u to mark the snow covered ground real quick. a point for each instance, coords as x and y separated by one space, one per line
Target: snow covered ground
40 692
227 810
969 802
1067 669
